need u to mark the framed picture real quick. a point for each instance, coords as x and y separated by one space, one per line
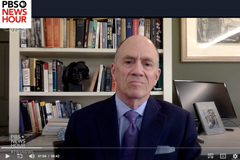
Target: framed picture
209 117
210 39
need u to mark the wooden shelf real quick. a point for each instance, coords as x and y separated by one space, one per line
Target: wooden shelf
76 94
70 52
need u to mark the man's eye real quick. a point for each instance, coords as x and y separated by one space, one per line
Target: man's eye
128 62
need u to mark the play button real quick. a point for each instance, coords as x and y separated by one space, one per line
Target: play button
7 156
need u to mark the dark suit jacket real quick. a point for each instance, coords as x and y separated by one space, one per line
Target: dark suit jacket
93 130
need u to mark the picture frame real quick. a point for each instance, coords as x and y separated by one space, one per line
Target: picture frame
209 117
210 39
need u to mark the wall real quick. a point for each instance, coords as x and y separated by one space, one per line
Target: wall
219 72
4 74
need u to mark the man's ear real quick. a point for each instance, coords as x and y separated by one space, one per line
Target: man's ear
113 71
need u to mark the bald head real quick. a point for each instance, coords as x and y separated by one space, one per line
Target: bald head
137 42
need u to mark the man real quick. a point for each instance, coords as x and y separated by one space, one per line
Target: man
163 130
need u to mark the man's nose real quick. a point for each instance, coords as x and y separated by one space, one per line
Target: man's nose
137 69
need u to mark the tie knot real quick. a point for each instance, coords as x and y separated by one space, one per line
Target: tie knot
131 116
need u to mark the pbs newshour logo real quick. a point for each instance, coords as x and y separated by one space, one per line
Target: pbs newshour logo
15 14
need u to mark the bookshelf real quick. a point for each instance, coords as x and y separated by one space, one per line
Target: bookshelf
92 57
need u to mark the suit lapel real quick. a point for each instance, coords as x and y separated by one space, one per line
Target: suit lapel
107 124
151 130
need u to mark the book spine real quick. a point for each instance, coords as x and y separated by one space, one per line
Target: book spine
71 33
160 80
69 109
108 79
103 80
118 30
43 114
113 85
26 116
50 77
64 32
25 65
30 109
45 76
141 26
158 37
94 33
54 73
97 35
74 34
90 33
32 34
58 108
39 71
68 33
128 27
38 32
104 34
39 119
59 76
123 28
147 28
32 74
35 115
63 110
49 32
99 78
86 33
109 33
23 38
49 110
153 31
61 32
42 28
80 33
135 26
21 124
94 80
20 76
28 33
101 35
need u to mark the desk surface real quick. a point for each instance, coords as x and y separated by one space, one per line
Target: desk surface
228 142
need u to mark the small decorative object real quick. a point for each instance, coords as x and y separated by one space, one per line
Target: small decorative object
73 74
61 134
209 117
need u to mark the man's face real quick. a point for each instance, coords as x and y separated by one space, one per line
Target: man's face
136 68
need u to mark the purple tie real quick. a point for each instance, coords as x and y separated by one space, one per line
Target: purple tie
130 137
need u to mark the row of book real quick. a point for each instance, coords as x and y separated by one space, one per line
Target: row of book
34 114
89 32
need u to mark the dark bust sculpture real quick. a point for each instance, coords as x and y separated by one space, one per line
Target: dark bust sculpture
73 74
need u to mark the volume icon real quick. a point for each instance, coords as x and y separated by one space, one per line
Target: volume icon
32 156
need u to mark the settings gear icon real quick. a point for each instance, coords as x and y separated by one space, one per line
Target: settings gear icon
235 156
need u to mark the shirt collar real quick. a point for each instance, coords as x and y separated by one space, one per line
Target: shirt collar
122 108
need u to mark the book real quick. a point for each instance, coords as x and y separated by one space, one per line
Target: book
26 116
61 32
100 77
123 28
94 80
71 33
97 35
21 124
80 26
64 32
86 33
118 30
158 33
39 75
128 27
43 113
135 26
32 34
23 38
50 77
32 74
141 26
108 80
109 33
20 76
104 34
30 109
49 110
152 31
113 85
67 33
57 102
35 115
42 28
25 65
59 71
101 35
209 117
147 28
103 80
38 115
94 33
49 32
90 34
37 32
